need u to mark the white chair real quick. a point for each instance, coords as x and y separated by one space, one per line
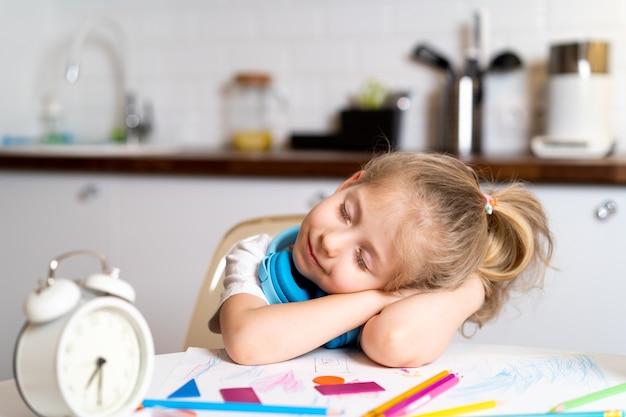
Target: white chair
198 334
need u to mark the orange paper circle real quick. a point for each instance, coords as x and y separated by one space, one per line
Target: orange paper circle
328 380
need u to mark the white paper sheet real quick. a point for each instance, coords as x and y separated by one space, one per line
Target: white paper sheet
522 379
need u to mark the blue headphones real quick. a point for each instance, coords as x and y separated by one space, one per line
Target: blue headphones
282 283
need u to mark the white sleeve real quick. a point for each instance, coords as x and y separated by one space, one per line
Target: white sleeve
241 272
242 265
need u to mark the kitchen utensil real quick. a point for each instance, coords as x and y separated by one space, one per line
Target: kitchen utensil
447 110
505 61
465 128
427 55
460 104
465 112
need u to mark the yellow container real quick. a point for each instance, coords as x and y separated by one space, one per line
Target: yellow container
253 104
252 140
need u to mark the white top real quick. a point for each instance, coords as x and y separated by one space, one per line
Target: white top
241 273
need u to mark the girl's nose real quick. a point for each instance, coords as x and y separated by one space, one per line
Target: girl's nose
334 241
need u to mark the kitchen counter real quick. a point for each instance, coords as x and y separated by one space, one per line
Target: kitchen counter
190 160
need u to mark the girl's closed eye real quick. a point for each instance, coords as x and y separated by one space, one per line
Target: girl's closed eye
360 261
359 255
344 213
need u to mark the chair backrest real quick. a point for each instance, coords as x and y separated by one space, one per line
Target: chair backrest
198 334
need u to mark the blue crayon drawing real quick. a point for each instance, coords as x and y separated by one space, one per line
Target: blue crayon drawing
519 375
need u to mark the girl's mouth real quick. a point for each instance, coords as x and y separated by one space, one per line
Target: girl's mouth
311 254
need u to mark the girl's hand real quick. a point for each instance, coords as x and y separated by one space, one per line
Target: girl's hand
256 333
417 327
394 296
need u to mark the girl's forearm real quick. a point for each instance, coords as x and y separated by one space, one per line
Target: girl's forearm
417 329
256 333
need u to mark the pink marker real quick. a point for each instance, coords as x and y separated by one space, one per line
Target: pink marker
422 397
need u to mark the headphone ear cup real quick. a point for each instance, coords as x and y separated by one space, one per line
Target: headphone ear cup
52 302
347 338
283 280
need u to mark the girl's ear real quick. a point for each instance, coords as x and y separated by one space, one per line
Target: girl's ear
352 180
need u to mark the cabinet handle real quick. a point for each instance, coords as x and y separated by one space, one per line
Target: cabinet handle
605 210
87 193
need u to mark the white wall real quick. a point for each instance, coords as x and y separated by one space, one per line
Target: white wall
182 53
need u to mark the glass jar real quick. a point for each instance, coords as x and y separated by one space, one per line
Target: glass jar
253 104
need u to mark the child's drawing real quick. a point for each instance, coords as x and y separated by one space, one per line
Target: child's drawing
520 381
331 364
516 375
288 382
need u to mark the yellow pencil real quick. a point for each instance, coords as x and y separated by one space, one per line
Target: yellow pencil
460 410
380 410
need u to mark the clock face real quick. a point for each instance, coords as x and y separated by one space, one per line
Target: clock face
100 361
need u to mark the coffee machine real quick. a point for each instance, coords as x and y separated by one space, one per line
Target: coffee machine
578 119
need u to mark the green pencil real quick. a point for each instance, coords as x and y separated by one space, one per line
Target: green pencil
609 413
586 399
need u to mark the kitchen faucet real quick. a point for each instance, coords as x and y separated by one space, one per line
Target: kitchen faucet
137 125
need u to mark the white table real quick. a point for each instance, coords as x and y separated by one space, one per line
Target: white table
611 367
11 404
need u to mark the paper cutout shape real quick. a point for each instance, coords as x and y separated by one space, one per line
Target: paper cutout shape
240 395
190 389
351 388
328 380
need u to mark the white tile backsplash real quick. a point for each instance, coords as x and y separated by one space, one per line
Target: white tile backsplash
182 53
584 16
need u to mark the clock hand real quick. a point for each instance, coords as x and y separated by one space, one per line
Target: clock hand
100 387
93 375
99 362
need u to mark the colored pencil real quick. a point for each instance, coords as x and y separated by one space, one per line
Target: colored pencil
586 399
378 411
422 397
454 411
609 413
239 407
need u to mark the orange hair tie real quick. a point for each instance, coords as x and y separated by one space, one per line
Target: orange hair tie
490 203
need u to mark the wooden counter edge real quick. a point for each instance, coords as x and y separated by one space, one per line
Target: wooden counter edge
306 164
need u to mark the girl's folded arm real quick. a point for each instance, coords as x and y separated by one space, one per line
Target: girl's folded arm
256 333
417 329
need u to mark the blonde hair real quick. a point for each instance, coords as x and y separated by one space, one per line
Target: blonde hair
448 234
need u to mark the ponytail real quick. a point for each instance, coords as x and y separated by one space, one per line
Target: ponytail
519 246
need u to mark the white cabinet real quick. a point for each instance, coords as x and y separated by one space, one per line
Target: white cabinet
43 216
159 230
581 304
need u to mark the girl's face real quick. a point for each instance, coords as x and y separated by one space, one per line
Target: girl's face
347 243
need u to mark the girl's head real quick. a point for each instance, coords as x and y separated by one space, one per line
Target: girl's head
418 220
447 231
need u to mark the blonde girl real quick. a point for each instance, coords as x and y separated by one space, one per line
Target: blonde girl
408 249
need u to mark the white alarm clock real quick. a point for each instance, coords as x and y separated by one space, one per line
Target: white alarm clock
85 350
